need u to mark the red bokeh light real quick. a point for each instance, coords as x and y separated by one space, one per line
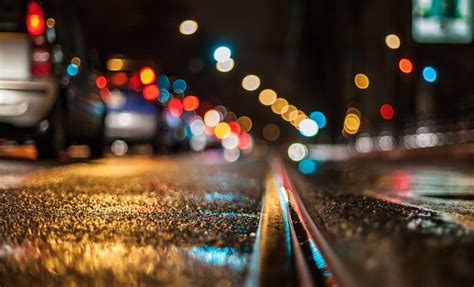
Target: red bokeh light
386 112
101 82
405 66
235 128
119 79
135 83
151 92
176 107
245 141
35 19
105 93
190 103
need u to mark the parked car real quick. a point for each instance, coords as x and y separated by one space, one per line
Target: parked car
47 90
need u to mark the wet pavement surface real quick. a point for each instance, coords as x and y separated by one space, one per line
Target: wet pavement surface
170 221
394 223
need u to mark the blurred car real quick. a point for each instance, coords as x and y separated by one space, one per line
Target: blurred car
131 118
47 90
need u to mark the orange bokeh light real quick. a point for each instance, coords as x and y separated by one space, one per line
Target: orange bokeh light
119 79
190 103
147 75
151 92
405 66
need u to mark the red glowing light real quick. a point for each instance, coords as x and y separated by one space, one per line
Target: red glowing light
245 141
235 128
35 19
151 92
405 66
386 112
209 131
105 93
176 107
401 180
101 82
135 83
119 79
190 103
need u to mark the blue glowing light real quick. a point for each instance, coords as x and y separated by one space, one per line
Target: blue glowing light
219 257
307 166
429 74
163 82
319 118
72 70
164 96
179 86
222 54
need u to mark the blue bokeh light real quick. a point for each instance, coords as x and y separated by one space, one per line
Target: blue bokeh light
164 96
319 118
429 74
179 86
307 166
72 70
163 82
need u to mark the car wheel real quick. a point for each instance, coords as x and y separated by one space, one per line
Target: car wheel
52 142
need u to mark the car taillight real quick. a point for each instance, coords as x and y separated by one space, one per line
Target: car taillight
41 62
35 19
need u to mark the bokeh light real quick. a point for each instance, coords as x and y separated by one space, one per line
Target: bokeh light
245 141
289 115
405 66
190 103
114 64
101 82
271 132
119 79
251 82
280 106
212 118
197 127
308 128
232 155
179 86
235 127
245 123
222 54
163 82
297 151
361 81
319 118
386 112
392 41
307 166
175 107
222 130
267 97
300 116
188 27
151 92
429 74
164 96
226 66
351 123
76 61
147 75
230 142
72 70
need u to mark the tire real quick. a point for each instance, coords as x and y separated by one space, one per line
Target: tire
51 143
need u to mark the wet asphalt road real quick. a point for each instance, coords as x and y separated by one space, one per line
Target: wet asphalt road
180 221
396 223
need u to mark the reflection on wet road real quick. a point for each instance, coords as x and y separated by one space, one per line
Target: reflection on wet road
131 221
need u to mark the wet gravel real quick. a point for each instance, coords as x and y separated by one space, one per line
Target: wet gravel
385 243
176 221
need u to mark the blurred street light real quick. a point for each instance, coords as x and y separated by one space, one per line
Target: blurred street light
225 66
429 74
361 81
392 41
251 82
222 54
267 97
188 27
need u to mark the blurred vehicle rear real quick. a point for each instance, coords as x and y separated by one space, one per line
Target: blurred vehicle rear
45 79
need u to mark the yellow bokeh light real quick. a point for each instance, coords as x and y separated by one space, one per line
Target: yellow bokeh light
50 22
392 41
267 97
351 124
76 61
280 106
271 132
245 123
212 118
361 81
251 82
188 27
147 76
114 64
299 118
289 115
222 130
